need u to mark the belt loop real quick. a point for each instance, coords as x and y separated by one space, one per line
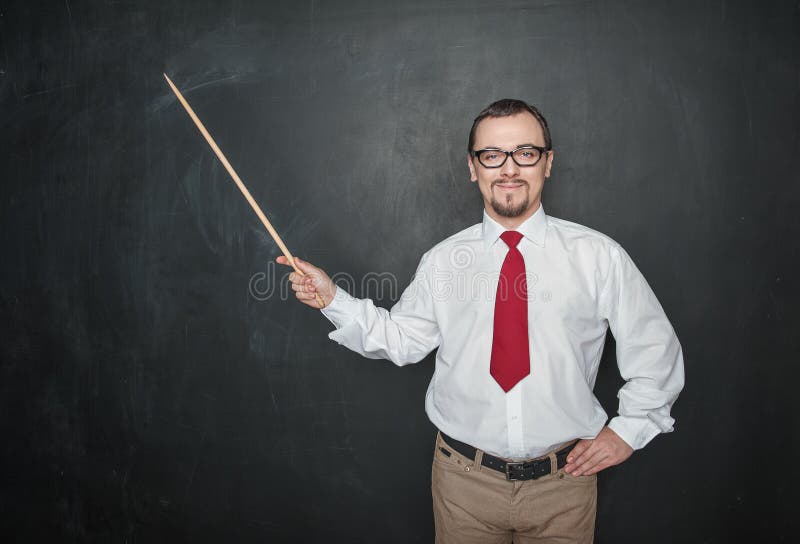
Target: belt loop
553 462
478 459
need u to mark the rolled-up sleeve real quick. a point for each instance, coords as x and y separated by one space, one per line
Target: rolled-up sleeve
405 334
649 355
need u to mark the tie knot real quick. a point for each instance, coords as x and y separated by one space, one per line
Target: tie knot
511 238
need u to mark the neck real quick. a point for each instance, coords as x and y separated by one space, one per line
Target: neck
510 223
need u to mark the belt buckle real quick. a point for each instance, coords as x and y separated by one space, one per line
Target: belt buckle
508 470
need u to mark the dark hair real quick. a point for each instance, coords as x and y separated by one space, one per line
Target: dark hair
505 108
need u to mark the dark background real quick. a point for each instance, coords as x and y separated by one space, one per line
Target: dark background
148 394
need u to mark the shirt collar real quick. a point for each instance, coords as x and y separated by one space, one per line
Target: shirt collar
533 228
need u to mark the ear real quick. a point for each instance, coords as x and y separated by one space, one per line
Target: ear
472 175
549 164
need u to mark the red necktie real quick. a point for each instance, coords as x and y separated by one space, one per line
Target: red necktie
510 356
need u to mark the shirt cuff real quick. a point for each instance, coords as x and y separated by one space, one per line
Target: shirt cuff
342 309
638 431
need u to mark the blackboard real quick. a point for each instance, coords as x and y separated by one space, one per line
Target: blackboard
156 386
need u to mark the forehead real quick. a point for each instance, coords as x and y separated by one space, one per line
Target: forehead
509 132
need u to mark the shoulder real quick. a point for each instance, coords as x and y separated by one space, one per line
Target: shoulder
576 236
462 244
470 235
604 255
586 246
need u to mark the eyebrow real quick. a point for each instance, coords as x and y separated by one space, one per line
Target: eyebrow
517 147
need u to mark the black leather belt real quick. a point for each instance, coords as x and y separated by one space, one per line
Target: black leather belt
524 470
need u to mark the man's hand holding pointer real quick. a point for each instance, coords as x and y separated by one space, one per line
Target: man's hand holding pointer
315 282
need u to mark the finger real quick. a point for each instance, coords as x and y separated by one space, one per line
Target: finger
604 464
304 266
577 465
597 457
311 302
305 286
580 448
299 277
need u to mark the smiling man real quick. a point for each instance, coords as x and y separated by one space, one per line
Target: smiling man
518 306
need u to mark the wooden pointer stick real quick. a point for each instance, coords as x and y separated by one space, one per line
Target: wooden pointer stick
239 183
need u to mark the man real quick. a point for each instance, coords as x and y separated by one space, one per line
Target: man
519 306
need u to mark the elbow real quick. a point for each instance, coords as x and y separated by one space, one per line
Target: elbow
409 357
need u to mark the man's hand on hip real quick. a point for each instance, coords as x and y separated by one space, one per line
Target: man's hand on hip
591 456
315 281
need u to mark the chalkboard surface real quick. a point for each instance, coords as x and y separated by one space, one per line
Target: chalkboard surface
157 383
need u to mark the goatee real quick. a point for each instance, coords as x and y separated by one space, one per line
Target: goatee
508 209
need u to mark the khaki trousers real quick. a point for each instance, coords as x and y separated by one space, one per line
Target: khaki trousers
473 504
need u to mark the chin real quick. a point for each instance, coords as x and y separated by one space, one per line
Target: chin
510 210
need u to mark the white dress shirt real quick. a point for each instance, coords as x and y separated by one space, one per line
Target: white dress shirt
580 282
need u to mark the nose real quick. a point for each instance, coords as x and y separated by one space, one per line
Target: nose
509 169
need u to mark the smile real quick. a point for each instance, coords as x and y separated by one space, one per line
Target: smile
508 186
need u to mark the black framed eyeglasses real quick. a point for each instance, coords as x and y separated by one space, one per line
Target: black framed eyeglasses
524 155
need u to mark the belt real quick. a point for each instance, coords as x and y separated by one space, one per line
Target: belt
524 470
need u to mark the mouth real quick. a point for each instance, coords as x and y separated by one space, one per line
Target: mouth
509 186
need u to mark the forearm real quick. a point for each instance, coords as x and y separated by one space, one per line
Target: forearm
649 356
404 335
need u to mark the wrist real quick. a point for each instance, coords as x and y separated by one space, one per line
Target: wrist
331 297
